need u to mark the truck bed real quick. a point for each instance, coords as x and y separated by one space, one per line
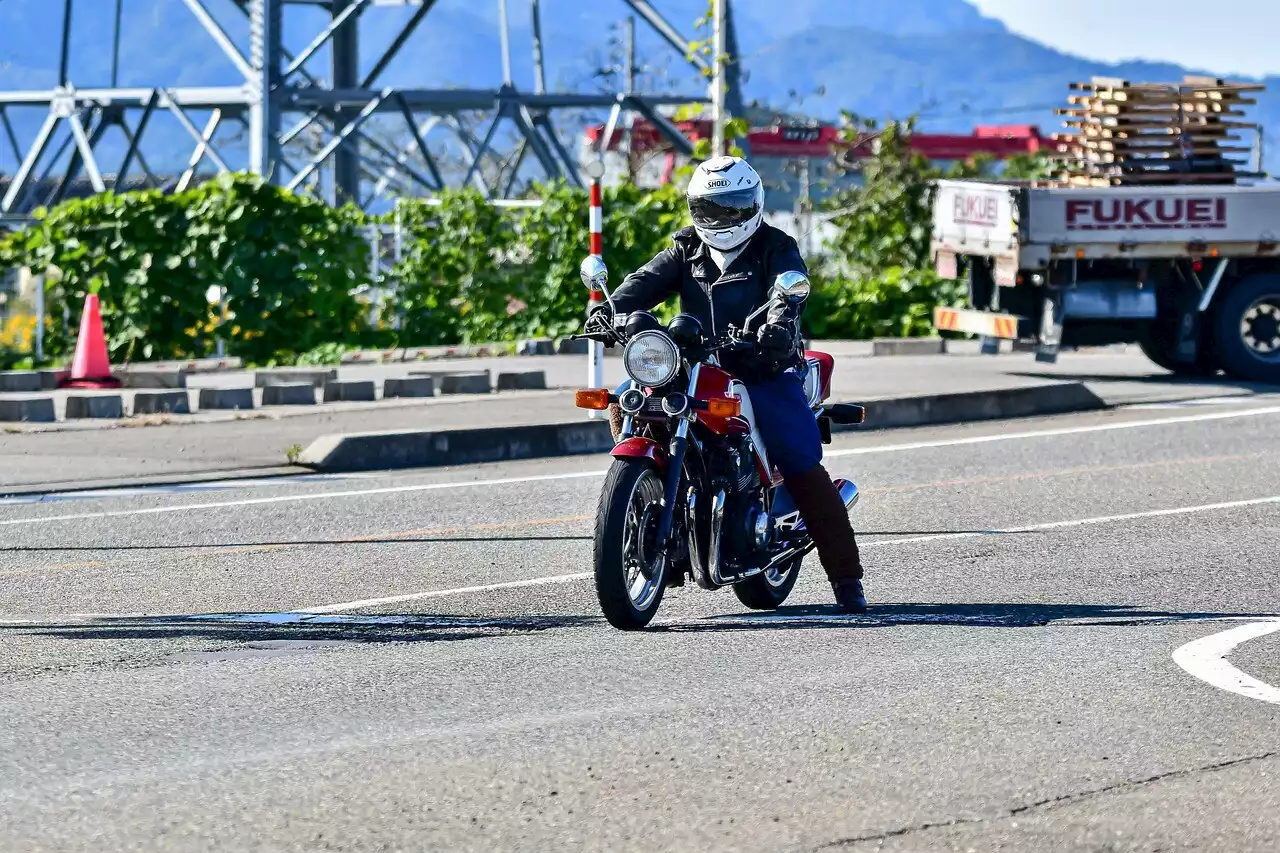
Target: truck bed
1026 228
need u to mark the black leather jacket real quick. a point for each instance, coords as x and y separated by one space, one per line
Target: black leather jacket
722 298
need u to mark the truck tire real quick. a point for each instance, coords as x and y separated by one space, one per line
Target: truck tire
1246 329
1159 343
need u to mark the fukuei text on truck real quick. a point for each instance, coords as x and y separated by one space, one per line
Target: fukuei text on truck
1156 229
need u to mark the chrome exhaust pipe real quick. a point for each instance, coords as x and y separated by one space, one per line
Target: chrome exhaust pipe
848 492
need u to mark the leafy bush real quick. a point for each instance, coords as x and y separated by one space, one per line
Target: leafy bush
289 267
880 281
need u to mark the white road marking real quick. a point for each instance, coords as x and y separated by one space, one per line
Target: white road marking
440 593
320 496
883 543
176 488
506 481
1206 659
1199 402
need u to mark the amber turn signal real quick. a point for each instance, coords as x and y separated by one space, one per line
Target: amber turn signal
724 407
594 398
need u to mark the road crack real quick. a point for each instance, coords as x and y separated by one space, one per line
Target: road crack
1047 803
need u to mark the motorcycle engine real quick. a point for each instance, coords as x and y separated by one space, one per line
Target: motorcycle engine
748 526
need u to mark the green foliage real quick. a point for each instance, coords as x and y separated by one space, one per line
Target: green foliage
475 273
1027 167
880 280
288 268
325 354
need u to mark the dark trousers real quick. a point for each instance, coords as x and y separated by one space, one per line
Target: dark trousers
787 424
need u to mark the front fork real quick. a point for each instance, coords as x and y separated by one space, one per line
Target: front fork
675 473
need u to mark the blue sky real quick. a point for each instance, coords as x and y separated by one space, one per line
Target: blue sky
1223 36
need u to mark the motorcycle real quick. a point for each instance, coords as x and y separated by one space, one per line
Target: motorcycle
691 491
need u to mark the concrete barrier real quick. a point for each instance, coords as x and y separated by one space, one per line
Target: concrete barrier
152 378
421 449
365 357
19 381
466 383
540 346
525 380
317 378
565 346
51 379
377 451
291 394
1031 401
30 409
412 386
109 406
226 398
161 402
908 346
350 391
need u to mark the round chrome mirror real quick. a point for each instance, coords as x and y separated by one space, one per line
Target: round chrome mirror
792 286
595 275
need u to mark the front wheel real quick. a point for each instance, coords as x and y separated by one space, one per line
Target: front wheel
629 566
769 590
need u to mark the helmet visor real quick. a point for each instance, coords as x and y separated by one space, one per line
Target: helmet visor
724 210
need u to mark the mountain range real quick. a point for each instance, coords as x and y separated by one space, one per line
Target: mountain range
939 59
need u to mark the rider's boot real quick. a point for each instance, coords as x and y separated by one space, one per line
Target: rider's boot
827 520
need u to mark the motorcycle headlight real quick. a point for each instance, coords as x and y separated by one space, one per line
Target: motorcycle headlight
651 359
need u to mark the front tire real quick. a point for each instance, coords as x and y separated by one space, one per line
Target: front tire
629 573
768 591
1247 329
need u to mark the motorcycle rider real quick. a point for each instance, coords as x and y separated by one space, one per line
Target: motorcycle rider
722 268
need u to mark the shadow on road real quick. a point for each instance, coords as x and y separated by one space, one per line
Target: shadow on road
245 629
296 629
1030 615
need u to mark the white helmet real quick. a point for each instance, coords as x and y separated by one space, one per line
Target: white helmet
726 201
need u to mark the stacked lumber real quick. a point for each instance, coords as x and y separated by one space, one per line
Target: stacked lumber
1125 134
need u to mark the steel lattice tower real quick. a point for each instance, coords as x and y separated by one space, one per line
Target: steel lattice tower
283 101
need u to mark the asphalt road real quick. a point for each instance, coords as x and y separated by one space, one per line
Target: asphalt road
414 662
33 458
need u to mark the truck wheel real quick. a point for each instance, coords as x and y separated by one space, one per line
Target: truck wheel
1159 343
1247 329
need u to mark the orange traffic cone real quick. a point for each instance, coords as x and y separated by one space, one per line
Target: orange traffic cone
92 367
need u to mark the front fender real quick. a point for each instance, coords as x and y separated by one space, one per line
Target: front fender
638 447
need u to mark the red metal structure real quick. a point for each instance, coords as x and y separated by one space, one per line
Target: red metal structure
822 141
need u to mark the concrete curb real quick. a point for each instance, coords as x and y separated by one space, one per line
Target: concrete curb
1056 399
379 451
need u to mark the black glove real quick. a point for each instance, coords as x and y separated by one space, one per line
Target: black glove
599 318
775 341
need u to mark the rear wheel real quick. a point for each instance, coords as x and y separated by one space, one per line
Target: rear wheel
1247 329
769 590
629 570
1159 343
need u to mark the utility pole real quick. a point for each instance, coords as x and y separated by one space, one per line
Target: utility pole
717 76
504 33
629 73
630 81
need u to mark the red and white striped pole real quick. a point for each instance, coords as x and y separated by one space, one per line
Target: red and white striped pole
595 351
